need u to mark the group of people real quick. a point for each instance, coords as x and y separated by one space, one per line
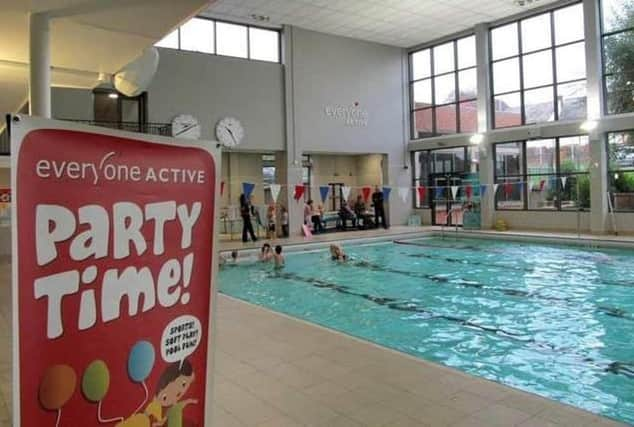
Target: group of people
268 255
247 211
359 214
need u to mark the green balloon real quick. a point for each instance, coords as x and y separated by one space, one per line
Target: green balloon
96 381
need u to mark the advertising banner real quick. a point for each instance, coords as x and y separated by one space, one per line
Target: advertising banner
113 276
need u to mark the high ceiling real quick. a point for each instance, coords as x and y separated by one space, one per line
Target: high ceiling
87 37
402 23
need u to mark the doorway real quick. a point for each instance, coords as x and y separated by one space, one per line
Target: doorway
114 110
335 196
446 210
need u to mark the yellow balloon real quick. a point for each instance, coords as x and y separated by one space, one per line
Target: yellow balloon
96 381
57 386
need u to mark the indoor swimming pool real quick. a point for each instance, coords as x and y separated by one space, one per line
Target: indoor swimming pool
553 320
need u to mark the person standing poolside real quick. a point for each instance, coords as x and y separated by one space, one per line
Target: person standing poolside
278 257
379 209
245 213
284 221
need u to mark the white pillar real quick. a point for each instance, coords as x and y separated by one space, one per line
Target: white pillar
39 65
487 203
598 155
293 148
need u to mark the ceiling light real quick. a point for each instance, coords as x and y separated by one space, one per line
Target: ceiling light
476 138
522 3
589 125
260 18
113 95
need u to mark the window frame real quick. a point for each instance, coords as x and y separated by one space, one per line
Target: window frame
604 75
521 54
611 172
215 44
433 106
524 176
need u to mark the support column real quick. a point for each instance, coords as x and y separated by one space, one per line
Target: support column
487 207
293 152
39 65
598 155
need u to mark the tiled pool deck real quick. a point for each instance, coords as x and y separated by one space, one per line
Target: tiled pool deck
275 371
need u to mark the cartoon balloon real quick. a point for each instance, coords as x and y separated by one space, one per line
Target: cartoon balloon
57 386
96 381
140 361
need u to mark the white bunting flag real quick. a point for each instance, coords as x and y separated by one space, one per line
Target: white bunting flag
495 188
345 190
531 184
563 182
275 191
454 191
403 192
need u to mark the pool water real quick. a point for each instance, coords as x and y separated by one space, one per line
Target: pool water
553 320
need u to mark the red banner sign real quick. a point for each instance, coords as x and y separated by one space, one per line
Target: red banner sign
112 277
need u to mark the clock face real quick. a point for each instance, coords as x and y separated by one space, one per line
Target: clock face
185 126
229 132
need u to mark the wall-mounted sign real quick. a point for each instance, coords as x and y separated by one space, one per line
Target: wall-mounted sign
112 276
350 115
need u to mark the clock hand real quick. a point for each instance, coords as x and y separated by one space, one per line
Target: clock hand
186 128
232 136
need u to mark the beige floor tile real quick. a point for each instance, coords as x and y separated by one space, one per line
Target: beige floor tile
502 416
467 402
222 418
283 421
343 421
302 408
376 415
294 376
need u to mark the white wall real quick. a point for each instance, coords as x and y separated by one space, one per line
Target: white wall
337 71
72 103
211 87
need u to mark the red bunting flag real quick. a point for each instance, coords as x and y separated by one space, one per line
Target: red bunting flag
508 188
222 188
299 191
422 192
366 193
541 184
469 191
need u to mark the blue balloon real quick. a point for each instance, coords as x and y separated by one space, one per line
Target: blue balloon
141 361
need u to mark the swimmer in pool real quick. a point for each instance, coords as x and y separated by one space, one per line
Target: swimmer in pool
278 257
337 253
266 254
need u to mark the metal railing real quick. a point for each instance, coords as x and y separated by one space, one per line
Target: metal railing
163 129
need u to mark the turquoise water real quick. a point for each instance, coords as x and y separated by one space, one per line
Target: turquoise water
553 320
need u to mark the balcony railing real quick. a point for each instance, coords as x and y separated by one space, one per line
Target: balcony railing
164 129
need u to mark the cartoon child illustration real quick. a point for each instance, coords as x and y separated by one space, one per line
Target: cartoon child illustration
172 386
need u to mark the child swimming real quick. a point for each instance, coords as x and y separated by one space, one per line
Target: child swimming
266 254
337 253
278 257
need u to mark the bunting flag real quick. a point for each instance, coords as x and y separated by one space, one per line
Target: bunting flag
541 184
454 191
386 193
563 182
422 193
508 189
275 191
323 191
439 192
247 189
222 188
495 188
483 190
531 185
403 192
365 191
345 191
468 191
299 192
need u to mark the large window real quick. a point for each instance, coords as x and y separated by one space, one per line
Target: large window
618 55
538 68
462 162
543 174
224 38
443 89
621 170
